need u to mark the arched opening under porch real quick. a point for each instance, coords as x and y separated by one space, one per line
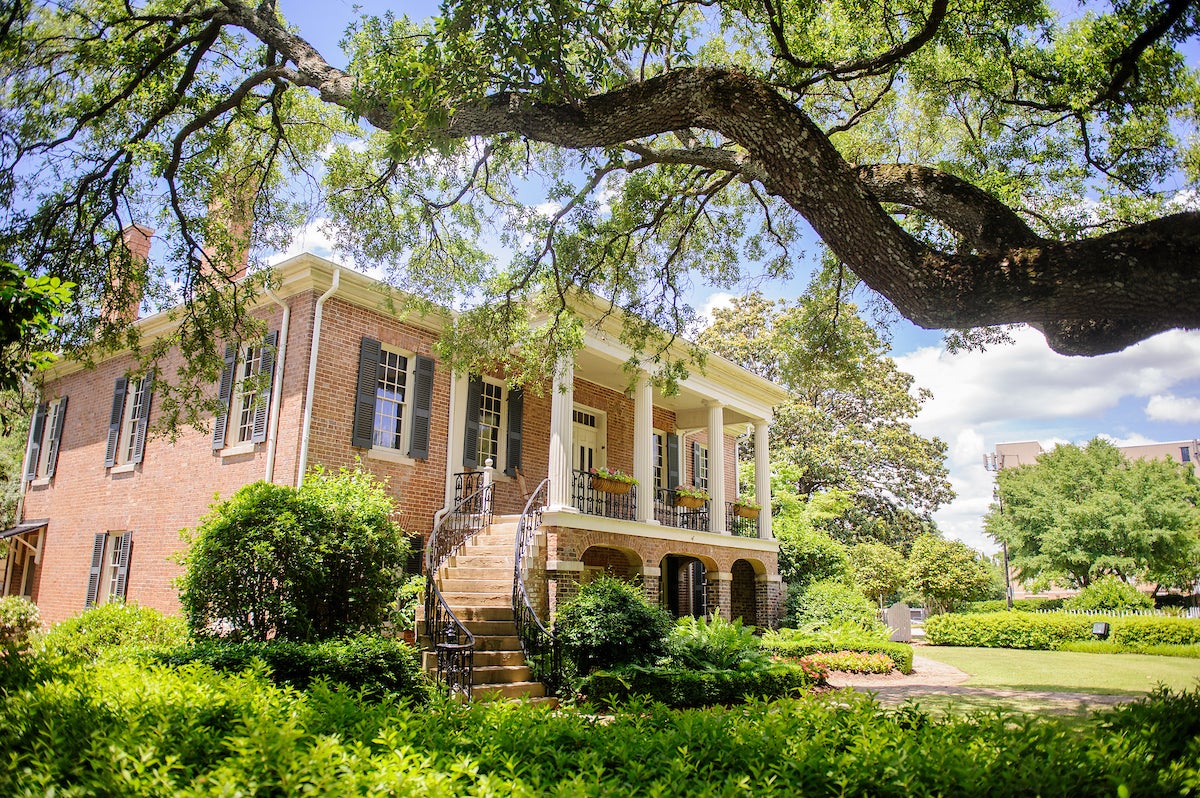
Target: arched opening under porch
616 562
684 588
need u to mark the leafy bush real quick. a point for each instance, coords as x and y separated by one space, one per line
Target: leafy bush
295 564
19 619
1020 605
1109 594
610 623
681 688
377 667
794 644
830 603
409 597
715 645
1149 630
113 631
853 662
145 733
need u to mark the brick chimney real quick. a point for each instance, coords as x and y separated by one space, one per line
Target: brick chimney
121 305
230 209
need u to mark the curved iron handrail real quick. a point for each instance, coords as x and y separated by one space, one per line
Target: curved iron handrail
541 649
450 639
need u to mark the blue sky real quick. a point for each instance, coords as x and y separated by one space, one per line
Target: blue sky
1149 392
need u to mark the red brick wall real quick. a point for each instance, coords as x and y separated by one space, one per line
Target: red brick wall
169 491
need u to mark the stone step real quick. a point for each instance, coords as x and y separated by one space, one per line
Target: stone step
513 690
462 598
456 583
467 571
500 674
480 561
483 642
483 659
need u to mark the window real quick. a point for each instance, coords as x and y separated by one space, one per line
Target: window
128 421
493 426
1185 454
700 465
109 574
394 400
660 460
45 432
245 393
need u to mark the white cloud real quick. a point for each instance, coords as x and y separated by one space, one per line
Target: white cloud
1167 407
715 302
1027 392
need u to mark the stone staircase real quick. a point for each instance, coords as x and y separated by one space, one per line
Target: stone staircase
477 584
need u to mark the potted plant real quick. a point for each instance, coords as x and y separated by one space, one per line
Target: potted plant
611 481
744 508
690 497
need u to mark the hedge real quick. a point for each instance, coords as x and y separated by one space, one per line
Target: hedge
377 667
1053 630
795 646
682 689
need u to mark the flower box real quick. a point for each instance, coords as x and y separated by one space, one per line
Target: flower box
745 510
688 502
605 485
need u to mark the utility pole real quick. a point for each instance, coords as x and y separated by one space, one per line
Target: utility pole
995 463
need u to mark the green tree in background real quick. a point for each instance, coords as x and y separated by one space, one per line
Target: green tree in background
847 427
1081 512
941 150
878 570
947 572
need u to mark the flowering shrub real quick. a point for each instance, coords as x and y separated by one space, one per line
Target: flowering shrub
812 667
691 492
19 619
853 662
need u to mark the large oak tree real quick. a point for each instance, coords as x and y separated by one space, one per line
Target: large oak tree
978 163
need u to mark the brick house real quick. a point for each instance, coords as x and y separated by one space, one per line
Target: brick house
351 381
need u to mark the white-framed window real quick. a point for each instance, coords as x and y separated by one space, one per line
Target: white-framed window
492 428
391 398
245 395
491 419
129 421
659 454
700 465
45 433
109 574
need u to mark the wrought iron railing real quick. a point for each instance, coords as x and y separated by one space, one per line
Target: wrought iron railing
740 525
450 640
542 652
466 483
668 512
589 499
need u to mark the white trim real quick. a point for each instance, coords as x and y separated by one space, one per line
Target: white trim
311 386
389 455
237 449
596 523
123 468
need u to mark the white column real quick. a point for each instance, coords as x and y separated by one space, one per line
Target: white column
643 451
562 405
716 468
762 477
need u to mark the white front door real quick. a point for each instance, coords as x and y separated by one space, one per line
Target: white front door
587 444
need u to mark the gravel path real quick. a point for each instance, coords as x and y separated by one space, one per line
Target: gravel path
931 679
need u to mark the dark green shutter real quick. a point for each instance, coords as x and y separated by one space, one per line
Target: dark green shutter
139 440
126 544
422 409
364 401
673 478
93 585
55 438
114 421
471 429
696 464
512 449
36 428
224 393
267 372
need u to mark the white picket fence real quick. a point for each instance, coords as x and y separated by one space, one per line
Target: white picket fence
1188 612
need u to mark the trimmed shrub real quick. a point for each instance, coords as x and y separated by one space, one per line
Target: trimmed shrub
113 631
830 603
793 644
275 562
19 619
716 645
610 623
376 667
1020 605
1109 647
683 689
1109 594
1053 630
1139 631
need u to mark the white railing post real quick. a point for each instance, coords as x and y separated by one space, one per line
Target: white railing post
489 477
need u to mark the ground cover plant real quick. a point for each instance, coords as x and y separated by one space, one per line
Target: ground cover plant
1069 671
797 643
189 731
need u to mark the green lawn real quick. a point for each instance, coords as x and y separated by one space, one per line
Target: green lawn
1067 671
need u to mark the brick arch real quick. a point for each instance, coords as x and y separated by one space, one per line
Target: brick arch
621 562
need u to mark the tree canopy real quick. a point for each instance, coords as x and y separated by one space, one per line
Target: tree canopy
847 425
1079 513
977 163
